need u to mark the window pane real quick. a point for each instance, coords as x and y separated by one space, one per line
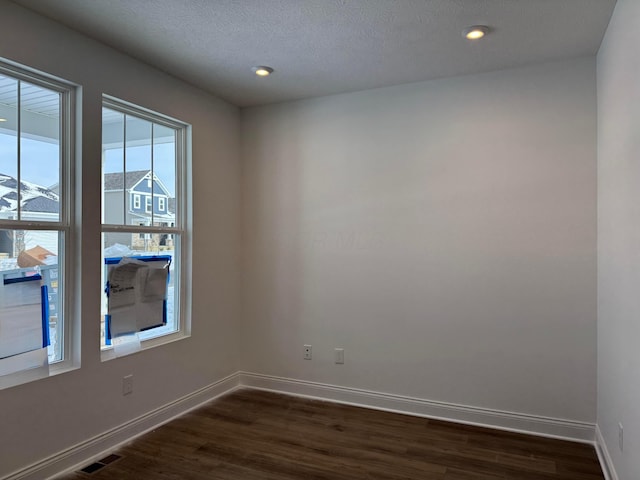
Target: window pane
8 142
39 153
164 167
112 167
138 165
24 254
130 244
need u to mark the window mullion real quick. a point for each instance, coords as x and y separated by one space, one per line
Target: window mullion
27 225
19 149
124 167
63 214
152 177
140 229
180 178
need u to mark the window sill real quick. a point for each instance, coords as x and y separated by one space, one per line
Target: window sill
146 342
34 374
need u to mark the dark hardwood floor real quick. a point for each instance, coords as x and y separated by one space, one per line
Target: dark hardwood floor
252 434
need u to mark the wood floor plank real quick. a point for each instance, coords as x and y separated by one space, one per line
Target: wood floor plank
257 435
460 474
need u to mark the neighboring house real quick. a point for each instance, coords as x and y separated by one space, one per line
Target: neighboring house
143 199
36 203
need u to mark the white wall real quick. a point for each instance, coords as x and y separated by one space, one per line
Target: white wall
618 238
443 233
44 417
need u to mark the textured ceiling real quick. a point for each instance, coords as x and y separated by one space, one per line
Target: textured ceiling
321 47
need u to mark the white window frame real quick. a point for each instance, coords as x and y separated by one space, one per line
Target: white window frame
161 203
181 229
148 203
68 268
136 200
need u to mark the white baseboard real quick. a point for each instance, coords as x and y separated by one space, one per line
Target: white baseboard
605 458
516 422
97 447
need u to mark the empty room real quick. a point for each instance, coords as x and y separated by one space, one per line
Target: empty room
319 239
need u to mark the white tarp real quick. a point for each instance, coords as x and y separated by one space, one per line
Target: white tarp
20 318
137 291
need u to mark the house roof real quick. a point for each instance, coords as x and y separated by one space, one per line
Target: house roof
33 197
113 181
41 204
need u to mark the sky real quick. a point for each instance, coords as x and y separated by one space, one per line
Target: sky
40 161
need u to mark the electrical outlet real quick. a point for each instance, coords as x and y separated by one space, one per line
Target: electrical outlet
307 352
339 355
127 385
621 437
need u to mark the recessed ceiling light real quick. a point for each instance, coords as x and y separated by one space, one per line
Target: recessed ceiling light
262 71
476 32
3 119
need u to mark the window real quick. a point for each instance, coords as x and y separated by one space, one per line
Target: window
146 151
36 230
161 204
136 201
